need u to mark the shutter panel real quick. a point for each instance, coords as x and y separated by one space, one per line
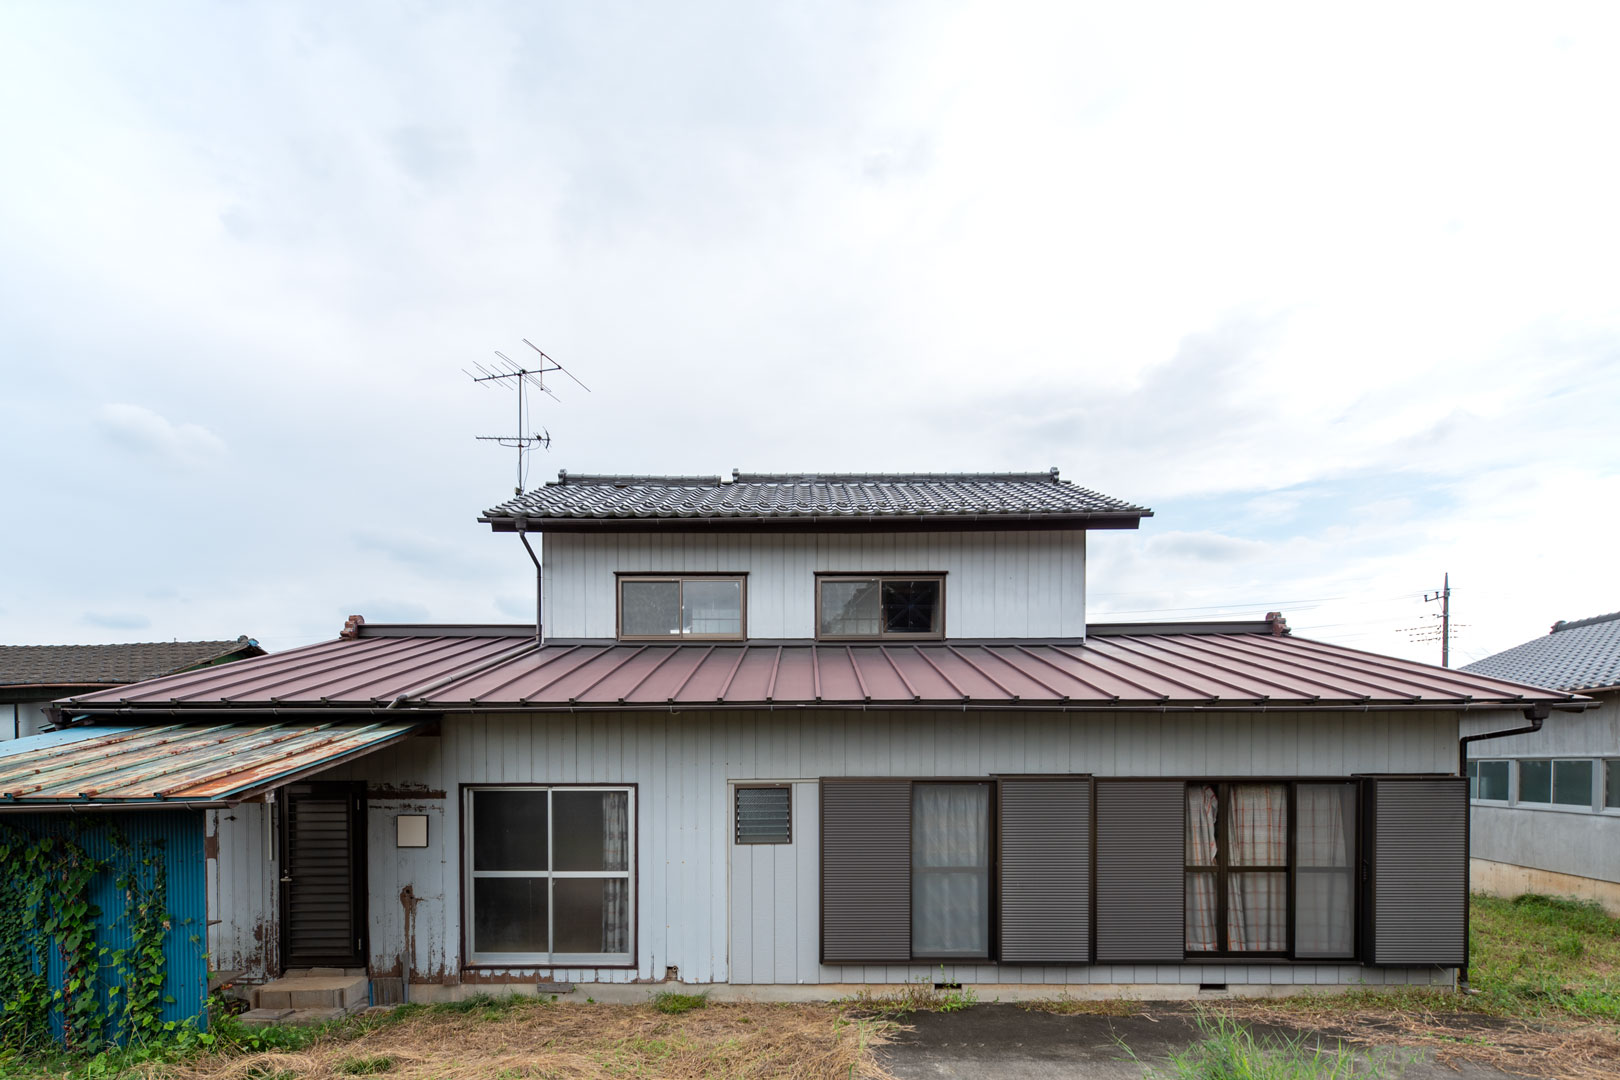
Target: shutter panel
1141 871
1417 902
1045 871
320 922
865 871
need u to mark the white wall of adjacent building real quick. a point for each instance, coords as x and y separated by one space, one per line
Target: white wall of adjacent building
1028 584
712 911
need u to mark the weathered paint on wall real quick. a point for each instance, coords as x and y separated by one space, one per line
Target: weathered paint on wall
689 872
243 879
998 584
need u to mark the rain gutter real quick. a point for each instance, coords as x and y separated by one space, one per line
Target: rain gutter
1535 714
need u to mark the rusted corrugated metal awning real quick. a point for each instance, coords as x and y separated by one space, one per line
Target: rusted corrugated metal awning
178 764
445 673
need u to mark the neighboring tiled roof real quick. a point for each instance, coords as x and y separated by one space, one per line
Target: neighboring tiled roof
1179 670
1579 655
207 763
832 497
111 665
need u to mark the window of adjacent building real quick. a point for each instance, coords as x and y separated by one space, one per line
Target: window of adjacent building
1488 780
950 870
1535 781
1572 783
1611 787
661 608
880 607
548 874
765 814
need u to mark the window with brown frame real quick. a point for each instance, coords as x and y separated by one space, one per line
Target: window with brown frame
877 606
658 608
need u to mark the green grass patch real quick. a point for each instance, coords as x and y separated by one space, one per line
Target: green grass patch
910 998
1540 955
1227 1050
674 1002
365 1066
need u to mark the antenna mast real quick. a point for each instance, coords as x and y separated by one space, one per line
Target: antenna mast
510 373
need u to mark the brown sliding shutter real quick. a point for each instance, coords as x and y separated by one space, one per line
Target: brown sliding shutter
865 871
1417 870
1141 879
1045 871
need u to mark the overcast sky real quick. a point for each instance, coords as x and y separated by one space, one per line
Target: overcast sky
1334 290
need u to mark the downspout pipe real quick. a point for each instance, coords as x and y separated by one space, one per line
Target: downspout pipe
539 581
1535 714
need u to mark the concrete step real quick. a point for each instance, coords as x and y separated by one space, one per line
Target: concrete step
300 990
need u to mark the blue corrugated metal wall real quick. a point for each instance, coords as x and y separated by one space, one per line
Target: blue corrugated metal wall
179 833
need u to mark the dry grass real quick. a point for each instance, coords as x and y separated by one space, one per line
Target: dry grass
1441 1024
576 1042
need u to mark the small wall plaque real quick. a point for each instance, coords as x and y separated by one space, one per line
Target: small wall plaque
411 830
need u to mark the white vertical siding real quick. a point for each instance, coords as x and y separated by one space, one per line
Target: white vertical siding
715 911
243 880
998 584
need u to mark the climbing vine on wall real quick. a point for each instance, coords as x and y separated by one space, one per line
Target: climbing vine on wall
54 965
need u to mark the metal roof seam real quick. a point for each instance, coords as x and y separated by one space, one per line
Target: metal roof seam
137 774
611 671
912 690
1204 648
559 678
1031 676
988 677
776 666
1033 655
1089 663
725 688
129 747
680 689
568 650
1400 669
1121 640
859 679
243 672
1101 652
1236 644
1395 664
650 673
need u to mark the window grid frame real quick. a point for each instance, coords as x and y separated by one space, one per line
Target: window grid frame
472 959
679 578
878 578
1223 870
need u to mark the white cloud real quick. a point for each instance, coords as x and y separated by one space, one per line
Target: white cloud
143 431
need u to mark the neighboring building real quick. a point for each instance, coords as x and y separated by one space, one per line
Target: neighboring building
32 676
1546 811
790 734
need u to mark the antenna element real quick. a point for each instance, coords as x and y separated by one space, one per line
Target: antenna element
510 373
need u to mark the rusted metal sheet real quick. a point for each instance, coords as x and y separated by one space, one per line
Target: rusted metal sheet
1169 670
198 764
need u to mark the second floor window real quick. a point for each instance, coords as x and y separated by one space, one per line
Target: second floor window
662 608
899 606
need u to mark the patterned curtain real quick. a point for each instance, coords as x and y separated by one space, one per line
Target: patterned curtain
1202 803
615 856
1257 903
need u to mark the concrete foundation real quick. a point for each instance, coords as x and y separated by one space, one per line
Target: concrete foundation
1507 880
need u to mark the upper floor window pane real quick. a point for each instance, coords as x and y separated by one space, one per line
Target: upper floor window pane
674 607
877 607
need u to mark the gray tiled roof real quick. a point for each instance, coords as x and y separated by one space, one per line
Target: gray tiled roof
811 495
111 665
1579 655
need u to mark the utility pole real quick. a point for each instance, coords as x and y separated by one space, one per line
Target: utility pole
1444 596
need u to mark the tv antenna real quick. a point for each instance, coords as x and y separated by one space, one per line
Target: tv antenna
510 373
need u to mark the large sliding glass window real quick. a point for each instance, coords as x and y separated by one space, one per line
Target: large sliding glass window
1241 851
950 870
548 875
909 607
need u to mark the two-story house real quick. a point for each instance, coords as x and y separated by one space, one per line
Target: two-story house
785 734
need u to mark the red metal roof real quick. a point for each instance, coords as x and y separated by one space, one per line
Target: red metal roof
178 763
1170 670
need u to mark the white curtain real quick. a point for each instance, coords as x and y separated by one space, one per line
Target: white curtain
950 862
1202 803
1257 904
1324 891
615 856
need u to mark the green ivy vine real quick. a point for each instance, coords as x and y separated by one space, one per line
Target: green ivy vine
46 914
